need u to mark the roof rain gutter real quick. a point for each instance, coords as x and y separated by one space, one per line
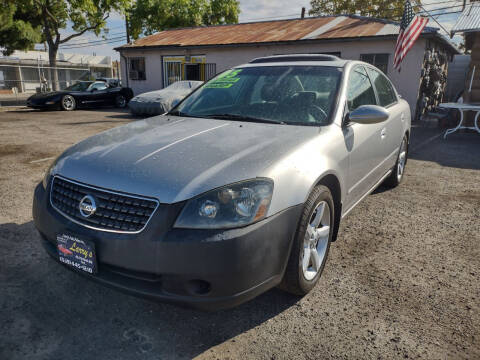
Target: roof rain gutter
126 66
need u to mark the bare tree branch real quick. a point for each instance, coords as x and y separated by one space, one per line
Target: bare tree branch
68 38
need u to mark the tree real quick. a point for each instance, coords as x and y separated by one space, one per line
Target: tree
385 9
149 16
17 32
27 22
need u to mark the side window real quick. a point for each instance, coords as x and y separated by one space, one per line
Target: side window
99 86
360 91
386 94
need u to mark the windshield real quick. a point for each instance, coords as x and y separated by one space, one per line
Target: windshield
300 95
80 86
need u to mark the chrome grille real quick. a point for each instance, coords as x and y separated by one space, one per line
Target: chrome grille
115 212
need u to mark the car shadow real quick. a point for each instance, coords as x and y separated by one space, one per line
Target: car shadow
128 116
49 311
458 150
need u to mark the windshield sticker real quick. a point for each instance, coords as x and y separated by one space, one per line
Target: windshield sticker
225 80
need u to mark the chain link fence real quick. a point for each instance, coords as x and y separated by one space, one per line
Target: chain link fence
18 82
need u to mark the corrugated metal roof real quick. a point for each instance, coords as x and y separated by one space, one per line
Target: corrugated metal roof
469 20
316 28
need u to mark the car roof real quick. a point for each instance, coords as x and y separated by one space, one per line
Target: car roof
298 60
337 63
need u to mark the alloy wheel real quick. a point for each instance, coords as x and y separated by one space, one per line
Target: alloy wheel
402 159
315 243
68 102
121 101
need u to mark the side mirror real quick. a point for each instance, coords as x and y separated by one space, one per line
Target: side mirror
368 114
93 90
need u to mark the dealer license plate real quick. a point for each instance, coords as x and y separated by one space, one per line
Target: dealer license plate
76 252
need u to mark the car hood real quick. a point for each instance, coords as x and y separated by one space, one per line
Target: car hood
174 158
47 95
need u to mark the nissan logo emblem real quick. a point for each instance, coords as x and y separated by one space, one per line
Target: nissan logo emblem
87 206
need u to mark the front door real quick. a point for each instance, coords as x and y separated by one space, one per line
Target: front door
96 94
365 142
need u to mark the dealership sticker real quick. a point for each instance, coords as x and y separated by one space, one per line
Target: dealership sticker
225 80
77 253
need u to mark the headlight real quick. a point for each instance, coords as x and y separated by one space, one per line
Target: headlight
230 206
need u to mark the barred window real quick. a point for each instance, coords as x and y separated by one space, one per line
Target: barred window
378 60
136 69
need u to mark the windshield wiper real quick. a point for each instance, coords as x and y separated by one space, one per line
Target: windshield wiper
179 113
243 118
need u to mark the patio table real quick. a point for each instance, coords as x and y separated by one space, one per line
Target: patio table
462 108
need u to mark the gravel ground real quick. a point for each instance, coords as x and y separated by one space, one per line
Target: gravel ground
402 281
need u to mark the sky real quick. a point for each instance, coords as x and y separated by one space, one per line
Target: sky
251 10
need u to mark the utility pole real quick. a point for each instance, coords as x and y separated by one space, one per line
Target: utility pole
127 30
303 12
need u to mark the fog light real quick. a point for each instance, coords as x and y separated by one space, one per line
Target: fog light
198 287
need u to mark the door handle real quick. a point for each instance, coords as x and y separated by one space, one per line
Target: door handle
383 133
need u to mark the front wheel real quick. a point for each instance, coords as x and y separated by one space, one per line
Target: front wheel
311 244
120 101
398 170
68 103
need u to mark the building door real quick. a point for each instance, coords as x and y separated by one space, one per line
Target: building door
192 72
176 68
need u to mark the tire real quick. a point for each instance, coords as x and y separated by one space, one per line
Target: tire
120 101
398 170
301 275
68 103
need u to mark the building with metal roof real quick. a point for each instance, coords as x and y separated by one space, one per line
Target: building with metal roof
469 20
197 53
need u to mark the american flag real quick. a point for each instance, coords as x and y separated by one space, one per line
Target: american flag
410 29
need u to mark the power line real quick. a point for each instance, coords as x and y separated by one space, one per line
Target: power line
105 42
270 17
86 41
92 42
439 9
443 2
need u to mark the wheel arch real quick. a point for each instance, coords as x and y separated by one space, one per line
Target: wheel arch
333 184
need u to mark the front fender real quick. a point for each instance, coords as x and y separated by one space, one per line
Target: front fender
297 174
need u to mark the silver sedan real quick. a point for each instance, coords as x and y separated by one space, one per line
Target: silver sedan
240 188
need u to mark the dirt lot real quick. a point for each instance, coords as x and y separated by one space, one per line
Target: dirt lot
402 281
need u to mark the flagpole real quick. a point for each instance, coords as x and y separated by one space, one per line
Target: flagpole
420 4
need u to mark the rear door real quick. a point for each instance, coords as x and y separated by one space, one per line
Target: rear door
393 127
364 140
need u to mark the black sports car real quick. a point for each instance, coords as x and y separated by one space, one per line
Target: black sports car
83 94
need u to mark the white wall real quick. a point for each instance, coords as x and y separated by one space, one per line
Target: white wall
70 57
153 70
407 81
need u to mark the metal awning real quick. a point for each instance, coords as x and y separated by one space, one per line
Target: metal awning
469 21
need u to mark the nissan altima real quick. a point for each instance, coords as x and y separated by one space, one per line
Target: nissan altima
240 188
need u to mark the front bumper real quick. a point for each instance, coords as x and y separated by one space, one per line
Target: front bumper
207 269
42 103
